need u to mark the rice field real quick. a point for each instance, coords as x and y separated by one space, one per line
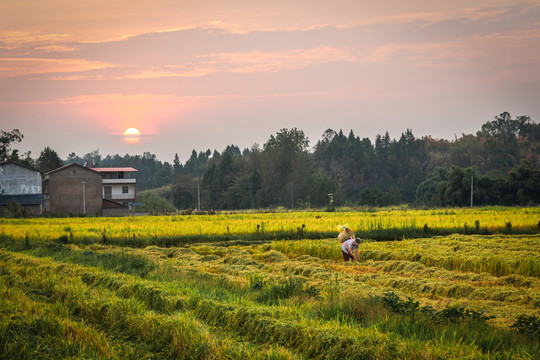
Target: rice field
386 224
67 293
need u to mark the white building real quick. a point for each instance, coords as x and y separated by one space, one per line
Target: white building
22 184
119 184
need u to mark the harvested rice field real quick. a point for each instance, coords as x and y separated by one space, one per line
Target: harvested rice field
219 287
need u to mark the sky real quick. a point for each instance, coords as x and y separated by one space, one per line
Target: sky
204 74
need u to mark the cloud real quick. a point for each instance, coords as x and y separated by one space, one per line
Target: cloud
258 61
210 60
112 98
13 39
11 67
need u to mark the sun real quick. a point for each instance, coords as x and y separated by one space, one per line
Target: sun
132 135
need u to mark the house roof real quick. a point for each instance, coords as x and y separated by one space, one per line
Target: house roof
115 169
110 204
70 165
24 199
19 164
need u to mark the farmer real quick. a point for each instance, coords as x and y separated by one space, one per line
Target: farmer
349 248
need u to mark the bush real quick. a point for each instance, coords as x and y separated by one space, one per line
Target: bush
451 313
527 325
13 210
152 201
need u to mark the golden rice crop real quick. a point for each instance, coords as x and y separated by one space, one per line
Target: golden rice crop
488 219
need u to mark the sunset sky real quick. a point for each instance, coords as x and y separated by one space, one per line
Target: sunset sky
205 74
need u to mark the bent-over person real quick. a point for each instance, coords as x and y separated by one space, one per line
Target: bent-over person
349 249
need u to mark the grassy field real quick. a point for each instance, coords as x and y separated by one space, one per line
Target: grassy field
386 224
84 288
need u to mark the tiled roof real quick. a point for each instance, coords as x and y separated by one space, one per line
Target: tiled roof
24 199
114 169
110 204
18 164
70 165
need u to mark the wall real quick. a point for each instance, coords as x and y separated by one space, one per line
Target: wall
19 180
65 191
116 191
122 211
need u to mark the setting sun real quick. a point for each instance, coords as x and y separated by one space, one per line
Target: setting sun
132 135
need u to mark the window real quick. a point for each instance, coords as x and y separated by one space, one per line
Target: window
125 190
120 175
107 192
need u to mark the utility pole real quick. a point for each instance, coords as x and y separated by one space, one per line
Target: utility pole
84 197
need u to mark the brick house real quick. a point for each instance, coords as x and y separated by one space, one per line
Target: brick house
73 189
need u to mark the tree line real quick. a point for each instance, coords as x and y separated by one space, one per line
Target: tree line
501 161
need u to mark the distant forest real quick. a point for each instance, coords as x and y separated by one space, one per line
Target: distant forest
502 160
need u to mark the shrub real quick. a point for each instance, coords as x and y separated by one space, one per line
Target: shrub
527 325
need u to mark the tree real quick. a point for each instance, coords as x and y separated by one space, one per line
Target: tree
183 193
525 184
470 150
501 141
504 127
217 179
7 138
240 194
177 166
233 150
48 160
286 168
321 186
92 158
196 164
458 189
430 192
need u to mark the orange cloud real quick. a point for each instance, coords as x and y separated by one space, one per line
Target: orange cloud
422 54
105 98
24 66
168 73
56 48
15 39
240 62
258 61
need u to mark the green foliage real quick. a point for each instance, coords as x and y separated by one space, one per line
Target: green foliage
184 193
152 200
452 187
504 127
7 138
377 197
257 282
529 325
13 209
48 160
285 169
451 313
273 293
324 191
